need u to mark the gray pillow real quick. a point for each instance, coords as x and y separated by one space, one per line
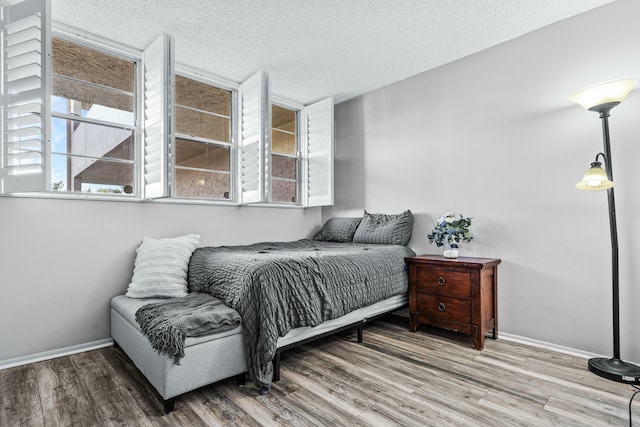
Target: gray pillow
385 229
339 230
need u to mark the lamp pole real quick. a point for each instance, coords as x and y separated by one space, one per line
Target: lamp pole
604 116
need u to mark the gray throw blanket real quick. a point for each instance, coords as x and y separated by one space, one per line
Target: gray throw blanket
167 323
277 287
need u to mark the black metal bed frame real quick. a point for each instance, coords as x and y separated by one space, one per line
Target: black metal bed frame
359 325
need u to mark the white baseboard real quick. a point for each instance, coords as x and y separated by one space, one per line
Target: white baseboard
53 354
531 342
547 346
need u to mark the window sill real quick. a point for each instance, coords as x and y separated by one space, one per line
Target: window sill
132 199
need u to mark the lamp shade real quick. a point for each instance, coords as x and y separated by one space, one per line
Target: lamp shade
594 179
612 92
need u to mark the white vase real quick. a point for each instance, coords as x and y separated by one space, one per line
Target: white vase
448 251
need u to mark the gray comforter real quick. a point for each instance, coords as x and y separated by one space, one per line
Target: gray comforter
277 287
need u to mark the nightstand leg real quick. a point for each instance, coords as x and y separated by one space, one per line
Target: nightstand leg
413 324
478 342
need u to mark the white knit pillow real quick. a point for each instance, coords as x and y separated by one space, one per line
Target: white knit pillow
160 269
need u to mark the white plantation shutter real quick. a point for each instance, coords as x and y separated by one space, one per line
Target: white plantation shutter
26 116
254 139
158 120
318 153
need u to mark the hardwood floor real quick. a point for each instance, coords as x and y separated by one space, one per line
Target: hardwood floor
394 378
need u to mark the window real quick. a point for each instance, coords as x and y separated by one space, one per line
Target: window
284 154
188 130
69 116
203 141
93 120
84 115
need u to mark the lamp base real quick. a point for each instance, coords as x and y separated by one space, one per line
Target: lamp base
615 370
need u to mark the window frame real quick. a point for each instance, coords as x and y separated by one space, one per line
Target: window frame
91 41
108 47
224 84
299 110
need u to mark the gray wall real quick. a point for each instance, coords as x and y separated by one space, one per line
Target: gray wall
63 260
493 136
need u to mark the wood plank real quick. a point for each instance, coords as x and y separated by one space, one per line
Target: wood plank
109 398
607 411
333 394
64 401
317 409
19 397
211 405
268 410
510 410
146 397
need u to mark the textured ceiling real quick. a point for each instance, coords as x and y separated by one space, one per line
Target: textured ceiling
318 48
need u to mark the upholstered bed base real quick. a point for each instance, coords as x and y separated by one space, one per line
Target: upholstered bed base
218 356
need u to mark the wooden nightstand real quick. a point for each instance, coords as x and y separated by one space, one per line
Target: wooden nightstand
456 294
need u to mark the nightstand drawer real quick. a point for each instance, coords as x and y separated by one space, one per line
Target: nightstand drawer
444 309
444 281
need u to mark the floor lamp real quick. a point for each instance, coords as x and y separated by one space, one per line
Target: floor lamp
602 98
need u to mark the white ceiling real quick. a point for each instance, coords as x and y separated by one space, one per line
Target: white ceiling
312 49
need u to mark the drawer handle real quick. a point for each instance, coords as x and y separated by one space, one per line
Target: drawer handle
442 307
441 281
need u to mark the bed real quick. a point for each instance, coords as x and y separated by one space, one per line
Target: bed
278 287
286 293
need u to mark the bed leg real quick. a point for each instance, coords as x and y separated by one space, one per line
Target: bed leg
240 379
169 405
359 331
276 367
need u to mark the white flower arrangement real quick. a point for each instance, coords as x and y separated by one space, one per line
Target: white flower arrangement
451 229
